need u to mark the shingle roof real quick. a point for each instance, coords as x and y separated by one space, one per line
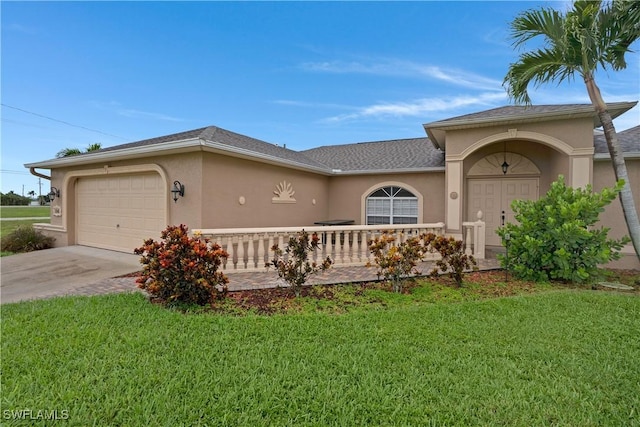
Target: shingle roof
414 153
629 141
516 111
513 111
377 156
227 138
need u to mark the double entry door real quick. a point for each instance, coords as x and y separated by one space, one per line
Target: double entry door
493 196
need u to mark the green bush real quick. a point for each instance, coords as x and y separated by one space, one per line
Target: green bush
293 263
554 238
25 238
182 270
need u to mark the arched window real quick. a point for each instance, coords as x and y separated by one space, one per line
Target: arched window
392 205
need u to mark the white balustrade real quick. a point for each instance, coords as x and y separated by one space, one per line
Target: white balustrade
250 248
474 237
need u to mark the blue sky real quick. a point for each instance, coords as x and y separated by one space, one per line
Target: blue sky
297 73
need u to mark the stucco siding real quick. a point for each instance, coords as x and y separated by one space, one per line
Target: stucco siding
240 193
346 194
613 217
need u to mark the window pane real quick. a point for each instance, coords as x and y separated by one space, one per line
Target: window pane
405 220
377 220
404 193
405 207
378 206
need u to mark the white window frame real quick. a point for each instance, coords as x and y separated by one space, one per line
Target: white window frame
400 185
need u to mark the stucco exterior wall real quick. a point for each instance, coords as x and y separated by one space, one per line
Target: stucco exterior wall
239 193
577 133
185 167
346 193
613 217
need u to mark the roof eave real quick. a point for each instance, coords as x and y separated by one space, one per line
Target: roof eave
337 172
172 147
186 145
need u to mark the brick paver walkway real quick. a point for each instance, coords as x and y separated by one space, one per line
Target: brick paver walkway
259 279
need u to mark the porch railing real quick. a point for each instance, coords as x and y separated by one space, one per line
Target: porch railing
250 248
474 237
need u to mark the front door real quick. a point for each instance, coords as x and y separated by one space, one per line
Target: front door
492 196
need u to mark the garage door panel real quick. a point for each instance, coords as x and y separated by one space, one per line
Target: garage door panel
120 212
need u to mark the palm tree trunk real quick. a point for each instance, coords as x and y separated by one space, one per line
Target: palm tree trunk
617 159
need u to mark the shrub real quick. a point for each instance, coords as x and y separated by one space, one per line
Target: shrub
181 269
25 238
453 259
293 263
554 238
396 262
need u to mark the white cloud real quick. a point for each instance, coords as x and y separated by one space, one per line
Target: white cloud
137 114
423 107
399 68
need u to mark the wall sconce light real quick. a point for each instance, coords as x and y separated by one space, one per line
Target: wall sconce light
177 190
53 194
505 165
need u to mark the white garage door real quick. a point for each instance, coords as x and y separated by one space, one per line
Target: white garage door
120 211
492 196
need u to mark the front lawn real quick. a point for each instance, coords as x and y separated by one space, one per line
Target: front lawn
24 211
548 357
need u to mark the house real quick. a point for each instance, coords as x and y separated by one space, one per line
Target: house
116 197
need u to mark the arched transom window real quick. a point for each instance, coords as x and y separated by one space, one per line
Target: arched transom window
392 205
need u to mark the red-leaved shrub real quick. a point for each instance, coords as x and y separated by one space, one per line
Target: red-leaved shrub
182 269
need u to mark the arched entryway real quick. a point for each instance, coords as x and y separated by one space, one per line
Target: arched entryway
491 190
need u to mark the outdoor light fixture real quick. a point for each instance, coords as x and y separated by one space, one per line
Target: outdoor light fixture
504 164
177 190
53 193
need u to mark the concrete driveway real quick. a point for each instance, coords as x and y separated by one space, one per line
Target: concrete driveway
53 271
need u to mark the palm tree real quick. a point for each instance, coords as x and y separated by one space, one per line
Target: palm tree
66 152
591 35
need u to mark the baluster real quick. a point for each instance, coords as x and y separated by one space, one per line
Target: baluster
230 251
467 243
348 245
241 264
251 261
270 245
333 247
364 246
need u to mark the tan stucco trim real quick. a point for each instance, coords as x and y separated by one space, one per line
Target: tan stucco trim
454 194
520 134
72 176
363 198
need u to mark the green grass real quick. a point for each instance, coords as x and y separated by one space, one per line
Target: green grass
24 211
566 358
7 227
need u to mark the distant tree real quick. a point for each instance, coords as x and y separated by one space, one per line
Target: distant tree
13 199
592 35
67 152
32 193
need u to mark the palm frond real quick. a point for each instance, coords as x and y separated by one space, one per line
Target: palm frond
66 152
537 67
529 24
